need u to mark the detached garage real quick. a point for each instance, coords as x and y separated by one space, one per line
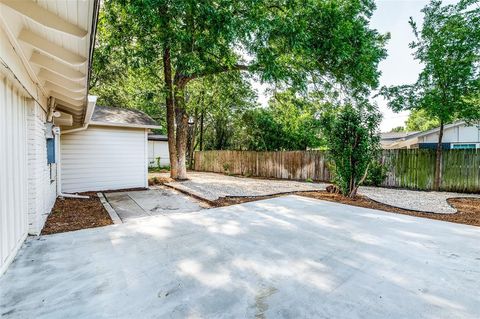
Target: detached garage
111 152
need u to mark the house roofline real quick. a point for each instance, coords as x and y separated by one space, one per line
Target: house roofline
98 123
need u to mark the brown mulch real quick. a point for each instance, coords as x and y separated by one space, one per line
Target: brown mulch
74 213
468 208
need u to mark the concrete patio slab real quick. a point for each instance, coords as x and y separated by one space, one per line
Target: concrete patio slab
156 201
288 257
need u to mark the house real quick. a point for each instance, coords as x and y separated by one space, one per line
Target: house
458 135
158 150
53 138
387 139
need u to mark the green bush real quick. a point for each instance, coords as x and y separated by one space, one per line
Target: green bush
353 145
376 174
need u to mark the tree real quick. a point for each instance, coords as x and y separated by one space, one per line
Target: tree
354 144
216 104
398 129
418 120
290 42
119 83
290 122
448 46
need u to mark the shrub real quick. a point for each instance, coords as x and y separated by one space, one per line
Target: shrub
353 145
376 174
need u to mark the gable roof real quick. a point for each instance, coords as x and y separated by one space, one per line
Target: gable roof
396 135
117 116
437 129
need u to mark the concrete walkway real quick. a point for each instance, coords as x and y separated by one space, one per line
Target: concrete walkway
212 186
156 201
288 257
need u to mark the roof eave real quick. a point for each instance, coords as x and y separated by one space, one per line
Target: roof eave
144 126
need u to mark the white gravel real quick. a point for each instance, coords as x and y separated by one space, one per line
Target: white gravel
431 202
212 186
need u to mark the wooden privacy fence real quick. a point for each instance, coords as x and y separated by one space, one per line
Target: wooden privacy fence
412 169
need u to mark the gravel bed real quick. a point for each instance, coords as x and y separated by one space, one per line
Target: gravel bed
212 186
431 202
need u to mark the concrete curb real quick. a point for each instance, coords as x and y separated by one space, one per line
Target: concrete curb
113 214
191 193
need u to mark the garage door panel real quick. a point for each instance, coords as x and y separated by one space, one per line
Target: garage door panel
103 158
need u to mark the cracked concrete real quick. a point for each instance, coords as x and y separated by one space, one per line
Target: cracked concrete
287 257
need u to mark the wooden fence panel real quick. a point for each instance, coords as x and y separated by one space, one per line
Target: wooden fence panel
413 169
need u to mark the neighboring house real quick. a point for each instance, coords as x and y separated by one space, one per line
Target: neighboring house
387 139
457 135
158 150
52 138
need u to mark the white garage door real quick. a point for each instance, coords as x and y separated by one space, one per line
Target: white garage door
103 158
13 167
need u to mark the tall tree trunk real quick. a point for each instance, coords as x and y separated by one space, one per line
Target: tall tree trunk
182 127
192 138
438 159
169 103
201 131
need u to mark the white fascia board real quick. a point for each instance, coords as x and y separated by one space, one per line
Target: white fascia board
125 125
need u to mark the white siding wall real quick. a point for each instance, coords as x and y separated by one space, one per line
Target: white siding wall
13 171
457 134
158 149
103 158
41 186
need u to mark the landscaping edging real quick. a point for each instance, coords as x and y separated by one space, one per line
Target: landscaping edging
113 214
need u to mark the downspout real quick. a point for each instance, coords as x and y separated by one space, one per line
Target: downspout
91 102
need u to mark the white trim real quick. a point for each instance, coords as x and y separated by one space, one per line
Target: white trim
49 63
125 125
49 19
92 101
51 48
145 143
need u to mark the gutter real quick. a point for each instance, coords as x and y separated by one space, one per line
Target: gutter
91 102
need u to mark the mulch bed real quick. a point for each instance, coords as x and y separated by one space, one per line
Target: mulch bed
74 213
468 208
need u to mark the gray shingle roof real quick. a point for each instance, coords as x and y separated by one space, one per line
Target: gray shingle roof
121 117
395 135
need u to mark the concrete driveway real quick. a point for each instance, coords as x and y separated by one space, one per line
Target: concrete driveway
288 257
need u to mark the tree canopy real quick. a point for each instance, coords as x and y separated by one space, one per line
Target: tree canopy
291 43
448 47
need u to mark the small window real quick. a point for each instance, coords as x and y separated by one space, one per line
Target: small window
50 150
463 146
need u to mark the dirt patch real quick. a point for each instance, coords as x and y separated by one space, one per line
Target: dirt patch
156 180
75 213
468 208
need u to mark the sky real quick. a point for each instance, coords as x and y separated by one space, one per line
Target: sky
399 67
